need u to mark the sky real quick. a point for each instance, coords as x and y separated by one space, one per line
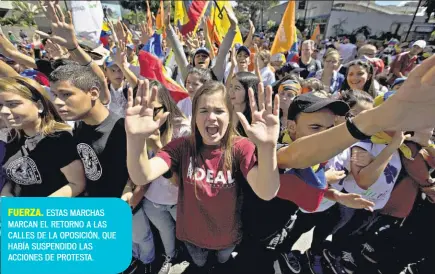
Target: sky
395 3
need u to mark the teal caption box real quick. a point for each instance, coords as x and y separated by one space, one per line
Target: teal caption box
65 235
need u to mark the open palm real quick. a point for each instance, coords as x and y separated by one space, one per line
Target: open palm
413 105
139 118
63 33
264 127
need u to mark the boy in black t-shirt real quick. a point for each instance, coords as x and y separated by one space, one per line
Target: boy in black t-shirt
99 133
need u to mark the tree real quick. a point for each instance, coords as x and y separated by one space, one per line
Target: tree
26 12
140 5
254 8
430 8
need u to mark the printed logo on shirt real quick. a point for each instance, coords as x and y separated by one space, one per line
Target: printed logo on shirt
215 180
23 171
390 173
93 169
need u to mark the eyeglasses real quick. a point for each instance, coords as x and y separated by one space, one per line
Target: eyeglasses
157 110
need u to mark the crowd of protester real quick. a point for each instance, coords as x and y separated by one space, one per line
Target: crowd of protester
262 148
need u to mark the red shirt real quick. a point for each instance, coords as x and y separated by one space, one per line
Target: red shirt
404 63
210 216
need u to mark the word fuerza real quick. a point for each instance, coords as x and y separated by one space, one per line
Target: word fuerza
36 212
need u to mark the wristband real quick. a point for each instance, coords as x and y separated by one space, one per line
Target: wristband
73 49
354 131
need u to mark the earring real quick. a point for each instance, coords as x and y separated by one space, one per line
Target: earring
40 110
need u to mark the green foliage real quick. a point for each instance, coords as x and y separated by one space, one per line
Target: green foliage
251 8
135 18
141 6
25 13
271 24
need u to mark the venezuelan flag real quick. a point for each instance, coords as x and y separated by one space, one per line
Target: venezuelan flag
304 187
188 13
152 68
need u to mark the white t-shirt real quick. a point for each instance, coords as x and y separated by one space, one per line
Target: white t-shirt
118 102
339 162
380 191
162 191
185 106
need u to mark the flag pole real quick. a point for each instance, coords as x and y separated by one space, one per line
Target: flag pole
412 22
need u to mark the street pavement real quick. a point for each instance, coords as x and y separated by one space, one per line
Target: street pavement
302 244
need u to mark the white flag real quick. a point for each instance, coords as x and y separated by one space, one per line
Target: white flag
88 21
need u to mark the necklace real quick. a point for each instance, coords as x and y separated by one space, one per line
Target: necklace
31 142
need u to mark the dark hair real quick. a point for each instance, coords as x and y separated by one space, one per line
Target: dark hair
163 96
352 97
204 74
248 80
369 85
82 77
62 62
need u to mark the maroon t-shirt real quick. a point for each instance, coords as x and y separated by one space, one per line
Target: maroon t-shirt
210 216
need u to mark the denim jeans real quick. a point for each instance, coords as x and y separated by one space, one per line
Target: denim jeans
199 255
143 242
163 218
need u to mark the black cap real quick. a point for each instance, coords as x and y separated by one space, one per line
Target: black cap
290 67
311 102
243 48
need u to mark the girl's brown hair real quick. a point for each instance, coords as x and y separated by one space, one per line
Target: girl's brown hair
196 143
369 86
33 91
169 105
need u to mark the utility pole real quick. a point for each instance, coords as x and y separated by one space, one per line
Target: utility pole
412 22
305 15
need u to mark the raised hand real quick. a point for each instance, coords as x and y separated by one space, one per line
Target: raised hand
120 32
334 176
251 26
264 128
139 119
413 105
232 17
63 33
54 51
146 33
353 200
120 55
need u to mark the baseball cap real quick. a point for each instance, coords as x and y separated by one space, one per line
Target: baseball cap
108 62
420 43
130 46
311 102
201 50
291 67
245 49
